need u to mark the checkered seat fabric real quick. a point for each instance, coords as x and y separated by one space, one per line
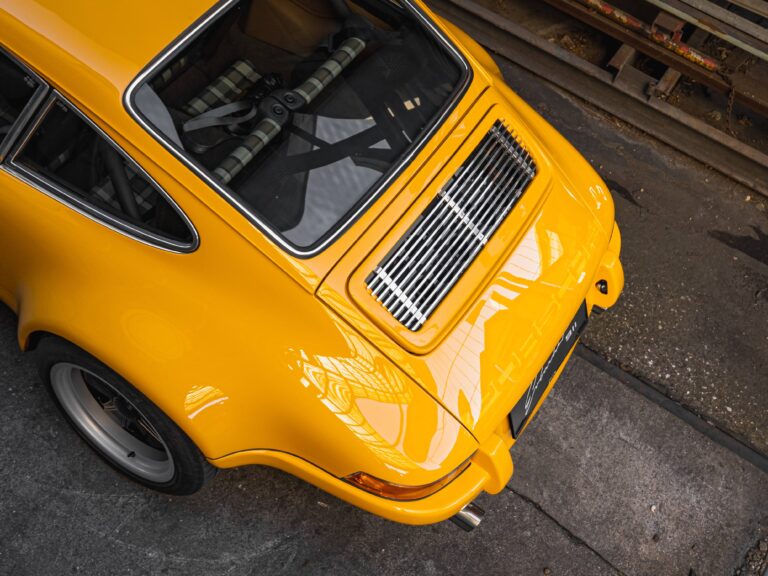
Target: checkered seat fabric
170 73
330 69
225 89
267 130
143 191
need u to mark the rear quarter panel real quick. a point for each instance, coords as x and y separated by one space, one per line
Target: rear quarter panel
229 346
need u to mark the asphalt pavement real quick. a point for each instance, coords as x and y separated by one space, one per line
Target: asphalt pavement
606 481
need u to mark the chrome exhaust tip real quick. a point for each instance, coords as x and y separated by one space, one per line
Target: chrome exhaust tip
469 517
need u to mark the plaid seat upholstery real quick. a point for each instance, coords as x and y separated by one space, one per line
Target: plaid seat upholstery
225 89
145 193
267 130
255 142
170 73
330 70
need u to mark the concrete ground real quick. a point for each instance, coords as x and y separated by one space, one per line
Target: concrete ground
693 320
606 481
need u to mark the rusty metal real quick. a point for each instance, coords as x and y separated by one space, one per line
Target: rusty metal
653 34
720 22
755 97
671 25
664 87
625 100
674 26
625 56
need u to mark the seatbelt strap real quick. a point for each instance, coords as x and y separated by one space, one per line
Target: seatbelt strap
223 116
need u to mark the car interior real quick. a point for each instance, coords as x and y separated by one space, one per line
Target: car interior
69 153
300 107
18 89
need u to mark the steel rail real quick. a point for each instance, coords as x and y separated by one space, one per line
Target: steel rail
525 49
759 7
712 79
654 35
718 21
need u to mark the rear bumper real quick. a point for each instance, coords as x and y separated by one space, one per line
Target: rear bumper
610 271
490 467
489 470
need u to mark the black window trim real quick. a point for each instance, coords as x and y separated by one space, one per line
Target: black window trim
82 206
194 31
29 110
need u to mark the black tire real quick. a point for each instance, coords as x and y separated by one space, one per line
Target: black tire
72 375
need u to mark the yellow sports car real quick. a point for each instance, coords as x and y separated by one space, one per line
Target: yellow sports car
319 235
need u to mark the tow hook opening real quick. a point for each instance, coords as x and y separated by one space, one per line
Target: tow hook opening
469 517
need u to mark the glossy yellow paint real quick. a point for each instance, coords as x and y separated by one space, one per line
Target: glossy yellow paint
266 359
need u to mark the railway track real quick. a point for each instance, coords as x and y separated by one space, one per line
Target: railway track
611 93
625 91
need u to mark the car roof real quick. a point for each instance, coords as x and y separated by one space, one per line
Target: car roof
87 45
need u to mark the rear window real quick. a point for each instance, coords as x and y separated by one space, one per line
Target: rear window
300 111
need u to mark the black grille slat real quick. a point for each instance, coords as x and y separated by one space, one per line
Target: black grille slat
417 274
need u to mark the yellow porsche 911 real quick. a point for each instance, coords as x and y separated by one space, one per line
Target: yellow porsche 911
319 235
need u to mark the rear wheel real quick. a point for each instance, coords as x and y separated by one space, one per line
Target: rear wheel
119 422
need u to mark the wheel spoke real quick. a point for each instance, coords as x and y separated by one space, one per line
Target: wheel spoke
147 427
110 407
118 429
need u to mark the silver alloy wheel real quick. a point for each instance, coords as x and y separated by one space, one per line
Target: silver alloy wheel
109 420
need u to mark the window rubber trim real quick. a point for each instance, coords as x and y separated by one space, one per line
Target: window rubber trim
85 208
198 28
30 108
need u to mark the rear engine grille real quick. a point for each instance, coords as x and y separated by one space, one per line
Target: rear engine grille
417 274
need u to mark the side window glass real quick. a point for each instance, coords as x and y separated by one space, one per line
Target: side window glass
17 89
68 152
